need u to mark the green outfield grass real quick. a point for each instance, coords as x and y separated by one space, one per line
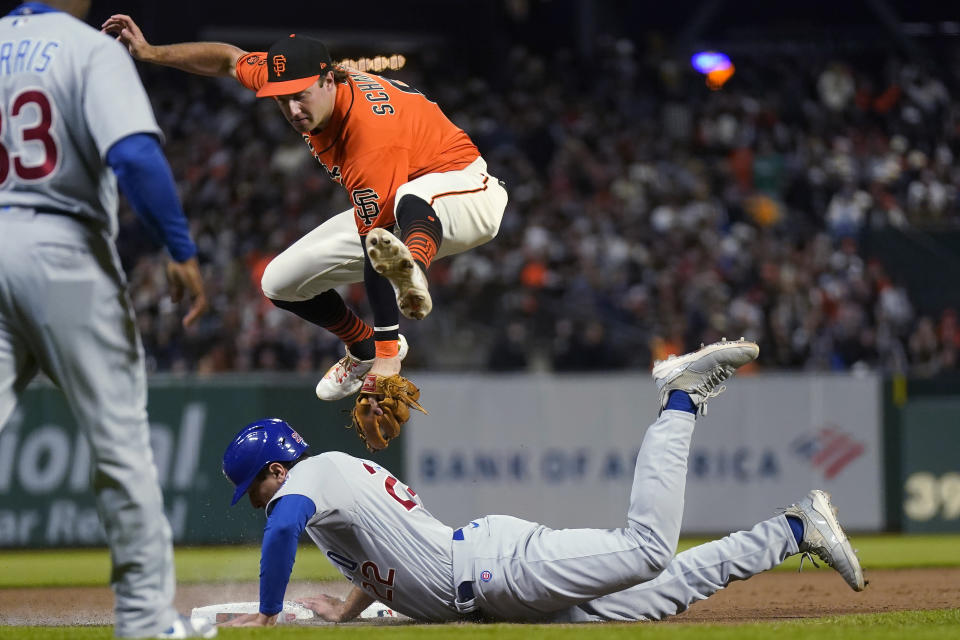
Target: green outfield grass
917 625
90 567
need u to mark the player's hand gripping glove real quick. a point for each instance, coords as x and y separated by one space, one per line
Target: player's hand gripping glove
383 407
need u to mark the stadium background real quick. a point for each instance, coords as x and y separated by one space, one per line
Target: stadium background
809 203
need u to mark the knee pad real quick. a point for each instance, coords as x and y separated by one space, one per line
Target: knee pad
411 208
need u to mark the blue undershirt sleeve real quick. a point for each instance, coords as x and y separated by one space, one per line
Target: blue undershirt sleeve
286 521
145 178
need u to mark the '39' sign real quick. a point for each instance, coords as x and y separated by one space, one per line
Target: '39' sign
928 496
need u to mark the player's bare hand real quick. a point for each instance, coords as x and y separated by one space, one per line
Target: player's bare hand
326 607
366 416
386 366
250 620
185 277
375 405
127 33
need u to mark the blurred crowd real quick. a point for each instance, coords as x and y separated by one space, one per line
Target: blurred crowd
647 214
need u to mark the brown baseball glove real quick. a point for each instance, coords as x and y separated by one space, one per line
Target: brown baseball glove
383 407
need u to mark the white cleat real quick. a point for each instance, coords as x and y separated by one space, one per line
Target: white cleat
345 377
184 627
391 259
823 537
702 372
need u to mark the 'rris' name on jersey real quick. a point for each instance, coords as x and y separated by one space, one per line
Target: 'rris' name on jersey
26 56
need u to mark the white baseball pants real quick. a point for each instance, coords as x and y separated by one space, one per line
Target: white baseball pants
469 202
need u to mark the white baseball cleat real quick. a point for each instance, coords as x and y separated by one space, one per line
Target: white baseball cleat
391 259
345 377
702 372
184 627
823 537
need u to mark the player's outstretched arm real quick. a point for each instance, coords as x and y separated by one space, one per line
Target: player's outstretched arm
201 58
336 610
145 178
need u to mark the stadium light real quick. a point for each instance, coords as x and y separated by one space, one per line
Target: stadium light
392 62
715 66
707 61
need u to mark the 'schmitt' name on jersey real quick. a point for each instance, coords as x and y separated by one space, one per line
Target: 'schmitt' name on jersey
373 92
26 56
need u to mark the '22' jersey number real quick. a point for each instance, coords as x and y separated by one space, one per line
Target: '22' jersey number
39 132
375 582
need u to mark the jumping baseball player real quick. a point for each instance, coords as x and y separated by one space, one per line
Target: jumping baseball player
404 165
378 534
75 122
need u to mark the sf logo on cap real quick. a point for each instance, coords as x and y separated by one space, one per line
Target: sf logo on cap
279 64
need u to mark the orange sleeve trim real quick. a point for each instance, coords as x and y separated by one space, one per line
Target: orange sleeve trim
460 193
387 348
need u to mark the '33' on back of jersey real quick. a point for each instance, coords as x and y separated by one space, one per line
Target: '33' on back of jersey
67 94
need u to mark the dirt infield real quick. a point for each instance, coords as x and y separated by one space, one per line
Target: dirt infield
771 596
816 593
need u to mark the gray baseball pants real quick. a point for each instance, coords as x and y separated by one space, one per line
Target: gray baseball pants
64 310
524 571
693 575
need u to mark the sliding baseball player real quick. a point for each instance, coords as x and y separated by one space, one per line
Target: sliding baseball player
379 535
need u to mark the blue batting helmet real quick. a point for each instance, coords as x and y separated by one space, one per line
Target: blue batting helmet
257 445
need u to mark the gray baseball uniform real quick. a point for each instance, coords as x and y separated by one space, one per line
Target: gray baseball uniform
67 94
381 538
377 533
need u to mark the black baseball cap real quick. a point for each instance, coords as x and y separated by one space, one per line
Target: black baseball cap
293 64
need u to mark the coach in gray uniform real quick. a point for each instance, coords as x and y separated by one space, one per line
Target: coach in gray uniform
71 109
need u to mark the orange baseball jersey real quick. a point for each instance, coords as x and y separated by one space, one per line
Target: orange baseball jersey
382 134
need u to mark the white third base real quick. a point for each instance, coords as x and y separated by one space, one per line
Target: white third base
291 613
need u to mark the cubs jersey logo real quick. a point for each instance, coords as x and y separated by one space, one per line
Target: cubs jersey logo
486 576
279 64
366 203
